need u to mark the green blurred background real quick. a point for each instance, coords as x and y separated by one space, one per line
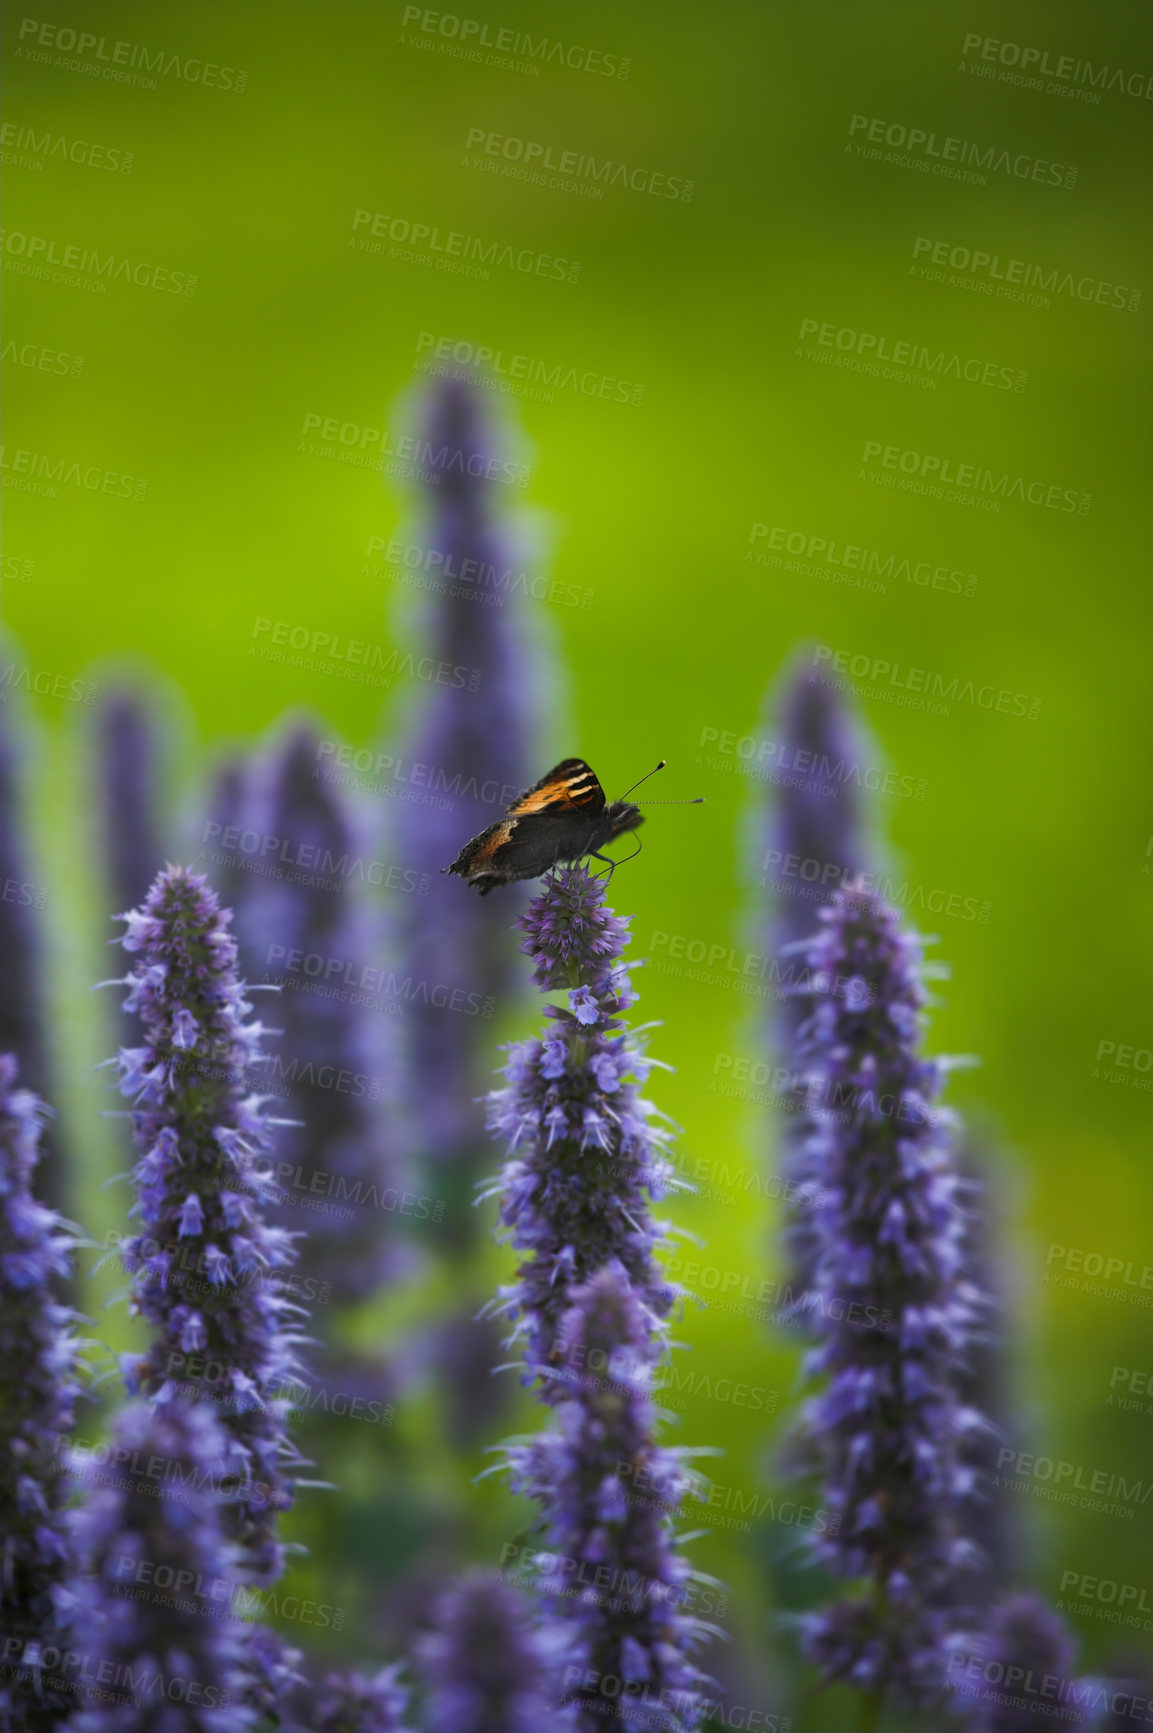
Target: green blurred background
650 506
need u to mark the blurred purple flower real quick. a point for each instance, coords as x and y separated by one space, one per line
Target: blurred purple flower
172 1660
814 839
584 1156
21 959
893 1305
126 797
210 1275
352 1703
488 1670
1019 1671
38 1391
335 1060
612 1576
472 744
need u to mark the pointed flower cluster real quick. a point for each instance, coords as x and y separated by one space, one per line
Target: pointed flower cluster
1020 1670
340 1147
585 1157
38 1391
893 1307
353 1703
814 840
210 1275
612 1576
127 772
488 1670
157 1645
478 737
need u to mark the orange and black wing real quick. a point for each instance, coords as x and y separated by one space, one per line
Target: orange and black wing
569 787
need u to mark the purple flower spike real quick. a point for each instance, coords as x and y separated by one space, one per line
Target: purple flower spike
337 1060
814 840
609 1494
208 1269
127 798
22 972
353 1704
37 1410
892 1307
473 742
584 1155
488 1670
157 1637
1019 1672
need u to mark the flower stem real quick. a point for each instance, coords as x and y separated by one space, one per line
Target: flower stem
871 1710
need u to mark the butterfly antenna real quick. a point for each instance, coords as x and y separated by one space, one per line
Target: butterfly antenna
645 777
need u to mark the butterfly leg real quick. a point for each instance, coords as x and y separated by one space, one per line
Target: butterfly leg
614 864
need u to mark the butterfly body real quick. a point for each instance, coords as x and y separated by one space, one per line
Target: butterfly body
564 816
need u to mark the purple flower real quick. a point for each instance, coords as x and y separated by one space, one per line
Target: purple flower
609 1495
892 1306
21 962
168 1658
335 1064
126 796
38 1393
1023 1671
814 839
207 1267
351 1703
488 1670
584 1155
472 740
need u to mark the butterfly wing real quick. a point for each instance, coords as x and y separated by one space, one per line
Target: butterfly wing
553 820
570 786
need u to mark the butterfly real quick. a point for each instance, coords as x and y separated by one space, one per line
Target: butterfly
564 816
